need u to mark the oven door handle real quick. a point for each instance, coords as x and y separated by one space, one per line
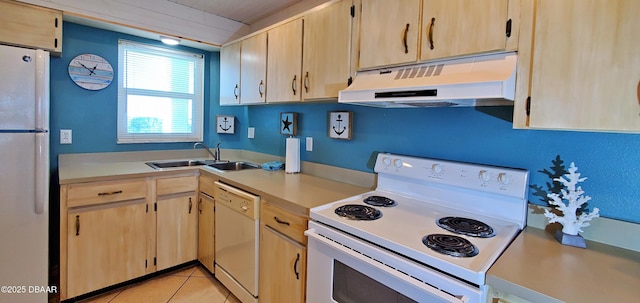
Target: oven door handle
443 297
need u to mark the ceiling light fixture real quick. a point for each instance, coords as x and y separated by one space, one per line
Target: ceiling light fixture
169 40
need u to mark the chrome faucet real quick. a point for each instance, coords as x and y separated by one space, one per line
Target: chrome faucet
215 156
218 154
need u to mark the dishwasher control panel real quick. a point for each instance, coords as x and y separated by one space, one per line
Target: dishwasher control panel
241 201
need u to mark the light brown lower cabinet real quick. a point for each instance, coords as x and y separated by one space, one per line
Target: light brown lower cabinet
282 268
283 255
118 230
176 221
106 245
206 229
176 230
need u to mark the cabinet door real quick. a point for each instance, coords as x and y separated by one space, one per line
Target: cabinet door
285 62
176 230
230 74
325 63
31 26
389 32
206 232
282 268
461 27
585 65
253 69
105 246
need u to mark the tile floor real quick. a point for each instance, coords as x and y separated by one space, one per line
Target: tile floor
193 284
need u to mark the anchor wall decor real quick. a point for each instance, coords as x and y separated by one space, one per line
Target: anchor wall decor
340 125
225 124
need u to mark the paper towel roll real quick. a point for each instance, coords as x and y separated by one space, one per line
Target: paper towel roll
292 160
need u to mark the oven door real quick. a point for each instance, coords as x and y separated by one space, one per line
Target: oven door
345 269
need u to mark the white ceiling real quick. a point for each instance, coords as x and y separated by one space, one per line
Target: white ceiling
244 11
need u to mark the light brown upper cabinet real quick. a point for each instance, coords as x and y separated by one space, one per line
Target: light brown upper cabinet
284 59
454 28
326 51
253 69
389 32
408 31
31 26
230 74
585 67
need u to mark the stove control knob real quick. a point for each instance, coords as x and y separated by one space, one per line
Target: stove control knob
398 163
484 176
504 179
386 161
436 168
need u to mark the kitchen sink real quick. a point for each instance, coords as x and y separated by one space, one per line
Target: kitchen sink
174 164
233 165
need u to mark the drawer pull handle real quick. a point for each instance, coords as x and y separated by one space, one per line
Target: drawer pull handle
77 225
306 82
261 88
110 193
200 205
281 222
190 204
433 23
293 84
295 267
404 39
236 91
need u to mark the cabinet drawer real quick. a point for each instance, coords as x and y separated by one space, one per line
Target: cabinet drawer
105 192
206 184
174 185
285 222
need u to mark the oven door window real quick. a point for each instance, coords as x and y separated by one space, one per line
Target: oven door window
351 286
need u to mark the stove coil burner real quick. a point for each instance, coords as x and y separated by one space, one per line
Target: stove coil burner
450 245
358 212
380 201
466 226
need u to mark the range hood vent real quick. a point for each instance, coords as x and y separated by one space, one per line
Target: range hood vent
477 81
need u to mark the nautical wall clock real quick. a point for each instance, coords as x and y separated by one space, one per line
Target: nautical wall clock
225 124
340 124
90 71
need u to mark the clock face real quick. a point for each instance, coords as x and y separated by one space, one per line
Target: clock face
90 71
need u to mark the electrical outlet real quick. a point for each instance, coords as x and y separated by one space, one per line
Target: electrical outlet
251 132
309 144
65 136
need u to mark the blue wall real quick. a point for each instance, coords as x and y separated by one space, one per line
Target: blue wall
609 161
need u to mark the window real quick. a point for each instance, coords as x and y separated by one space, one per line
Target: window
160 94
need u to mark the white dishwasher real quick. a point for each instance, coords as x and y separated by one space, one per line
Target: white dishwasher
236 241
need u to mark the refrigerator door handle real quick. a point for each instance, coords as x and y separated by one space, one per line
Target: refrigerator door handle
42 91
41 173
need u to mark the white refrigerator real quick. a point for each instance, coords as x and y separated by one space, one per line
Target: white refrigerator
24 174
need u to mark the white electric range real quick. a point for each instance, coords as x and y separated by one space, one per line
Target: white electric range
428 233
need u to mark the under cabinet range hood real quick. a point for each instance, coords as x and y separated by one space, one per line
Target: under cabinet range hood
485 80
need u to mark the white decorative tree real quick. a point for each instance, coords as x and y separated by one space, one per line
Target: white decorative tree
572 223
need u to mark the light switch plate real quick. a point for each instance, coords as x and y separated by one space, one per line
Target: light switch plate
309 144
